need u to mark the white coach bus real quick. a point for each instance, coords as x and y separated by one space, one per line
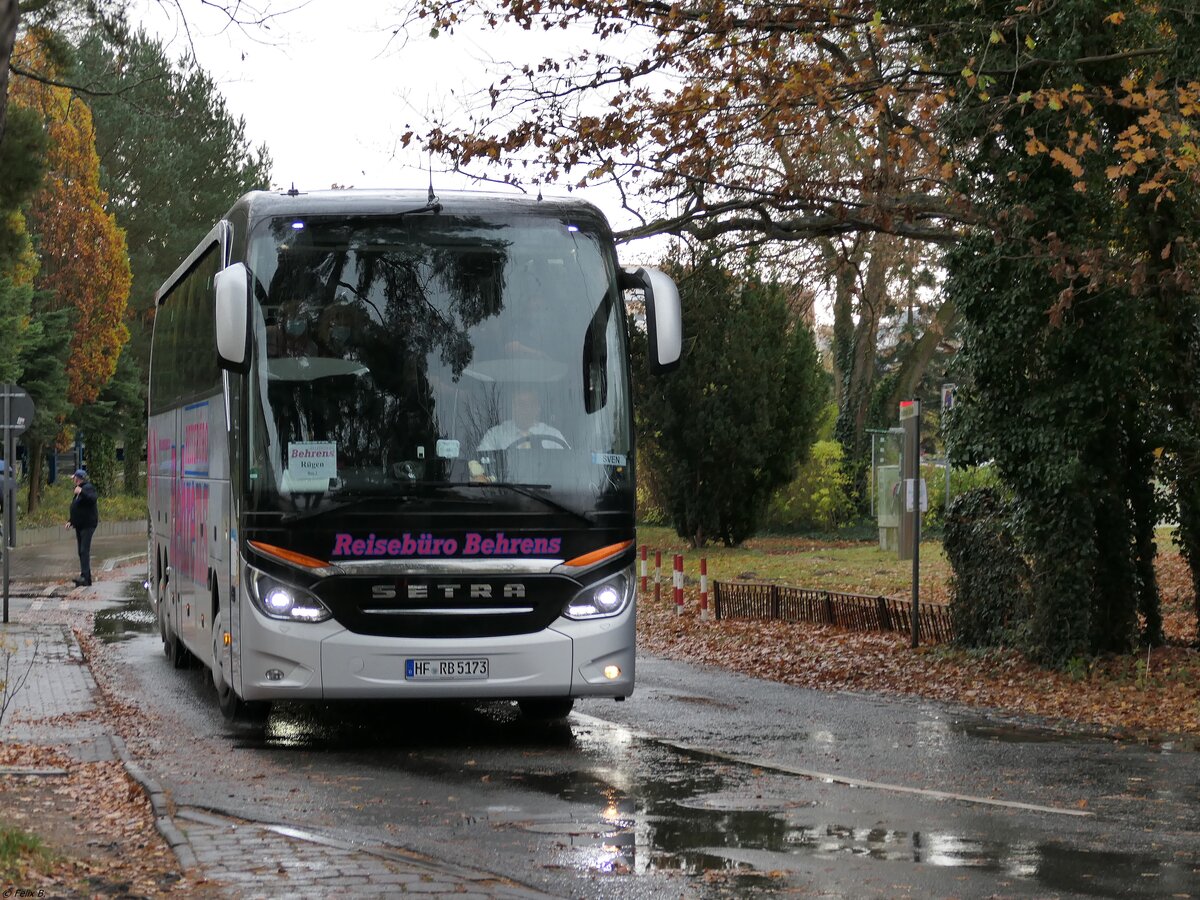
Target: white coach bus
391 451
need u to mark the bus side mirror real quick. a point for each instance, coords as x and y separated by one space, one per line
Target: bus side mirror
664 320
233 318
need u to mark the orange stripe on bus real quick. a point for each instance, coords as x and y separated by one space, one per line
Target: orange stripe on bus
309 562
597 555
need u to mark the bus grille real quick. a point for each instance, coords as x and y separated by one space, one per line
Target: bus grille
445 606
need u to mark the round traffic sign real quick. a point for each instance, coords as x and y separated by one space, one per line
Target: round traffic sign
18 405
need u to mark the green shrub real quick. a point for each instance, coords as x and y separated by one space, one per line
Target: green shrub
816 499
990 587
961 481
650 508
56 505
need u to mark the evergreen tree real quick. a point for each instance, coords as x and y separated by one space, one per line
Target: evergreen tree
172 159
44 375
110 417
23 162
726 429
14 313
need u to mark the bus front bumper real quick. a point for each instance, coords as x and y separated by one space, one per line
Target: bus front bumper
313 661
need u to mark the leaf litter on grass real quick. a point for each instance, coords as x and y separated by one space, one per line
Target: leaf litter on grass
1151 695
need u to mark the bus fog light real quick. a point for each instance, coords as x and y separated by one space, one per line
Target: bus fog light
612 673
274 674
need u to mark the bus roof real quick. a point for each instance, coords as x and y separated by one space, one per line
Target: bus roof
260 204
257 205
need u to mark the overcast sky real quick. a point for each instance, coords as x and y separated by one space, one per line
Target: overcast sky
325 87
330 91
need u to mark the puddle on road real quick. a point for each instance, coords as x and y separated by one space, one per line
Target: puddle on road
711 820
658 809
661 810
131 619
1020 734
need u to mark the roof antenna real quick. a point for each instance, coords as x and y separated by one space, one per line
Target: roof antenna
433 200
293 192
539 193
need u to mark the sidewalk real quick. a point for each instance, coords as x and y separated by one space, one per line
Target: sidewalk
243 858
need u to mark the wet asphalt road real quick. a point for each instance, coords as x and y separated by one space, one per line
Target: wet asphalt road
702 784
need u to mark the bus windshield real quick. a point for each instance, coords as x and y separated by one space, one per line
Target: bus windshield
396 355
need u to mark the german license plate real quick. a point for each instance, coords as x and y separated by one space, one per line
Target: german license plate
446 669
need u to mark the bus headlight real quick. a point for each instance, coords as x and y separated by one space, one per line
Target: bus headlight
283 601
610 597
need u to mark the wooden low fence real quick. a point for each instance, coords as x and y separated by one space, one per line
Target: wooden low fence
750 600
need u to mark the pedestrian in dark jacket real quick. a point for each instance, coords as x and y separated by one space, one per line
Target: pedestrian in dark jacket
85 516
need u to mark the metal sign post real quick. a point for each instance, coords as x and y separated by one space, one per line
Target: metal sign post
18 413
947 405
910 420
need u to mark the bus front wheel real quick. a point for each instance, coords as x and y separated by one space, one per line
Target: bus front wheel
233 707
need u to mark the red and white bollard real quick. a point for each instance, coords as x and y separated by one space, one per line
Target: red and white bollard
703 588
643 568
677 579
657 574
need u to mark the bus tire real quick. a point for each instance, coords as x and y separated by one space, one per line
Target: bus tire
160 603
177 653
235 709
546 709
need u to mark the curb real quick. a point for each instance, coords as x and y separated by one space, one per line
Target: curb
159 802
161 807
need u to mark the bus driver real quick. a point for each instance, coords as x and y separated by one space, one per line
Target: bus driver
525 429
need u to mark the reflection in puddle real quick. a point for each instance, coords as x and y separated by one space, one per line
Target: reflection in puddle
696 816
667 837
380 728
132 618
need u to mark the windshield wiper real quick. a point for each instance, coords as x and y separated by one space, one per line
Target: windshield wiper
531 491
328 503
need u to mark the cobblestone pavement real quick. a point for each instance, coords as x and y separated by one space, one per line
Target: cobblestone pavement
252 859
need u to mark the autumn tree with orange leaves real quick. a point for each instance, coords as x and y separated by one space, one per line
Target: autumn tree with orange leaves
84 260
1052 146
797 131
